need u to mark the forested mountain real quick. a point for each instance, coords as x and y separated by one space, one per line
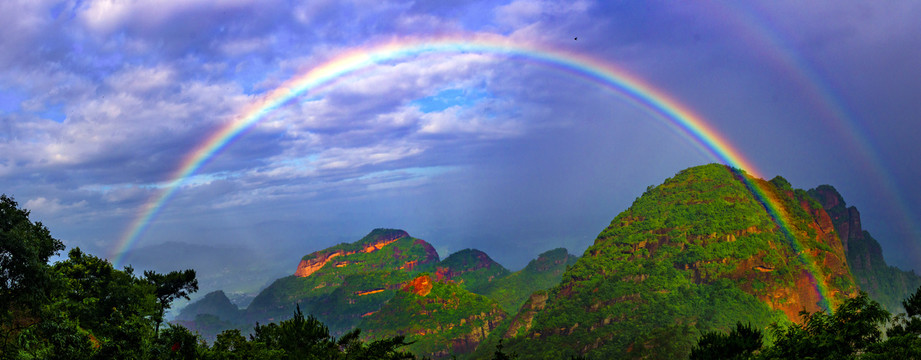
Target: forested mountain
358 284
697 253
473 269
541 273
708 248
440 318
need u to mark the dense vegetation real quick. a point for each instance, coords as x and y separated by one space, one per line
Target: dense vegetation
83 308
853 331
349 285
442 319
540 274
472 269
690 259
697 253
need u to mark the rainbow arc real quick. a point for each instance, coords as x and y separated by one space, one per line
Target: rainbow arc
606 75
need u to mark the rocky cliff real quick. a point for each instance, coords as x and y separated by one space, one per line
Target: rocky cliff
886 284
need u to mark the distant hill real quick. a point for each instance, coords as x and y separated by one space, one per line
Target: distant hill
214 303
696 253
472 269
886 284
359 283
213 264
540 274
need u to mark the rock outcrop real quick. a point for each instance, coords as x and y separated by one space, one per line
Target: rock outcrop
886 284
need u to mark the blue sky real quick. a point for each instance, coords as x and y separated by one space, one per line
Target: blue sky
101 100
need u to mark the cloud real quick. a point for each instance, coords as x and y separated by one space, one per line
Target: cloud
48 207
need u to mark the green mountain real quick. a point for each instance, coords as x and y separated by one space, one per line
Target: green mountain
358 284
340 284
472 269
886 284
695 254
441 318
540 274
214 303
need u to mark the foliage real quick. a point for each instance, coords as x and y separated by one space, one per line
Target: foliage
697 253
540 274
338 293
83 308
169 287
472 269
447 320
740 343
27 282
851 332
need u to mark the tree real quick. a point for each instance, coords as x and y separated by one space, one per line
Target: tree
740 343
851 331
26 280
177 343
114 307
299 337
169 287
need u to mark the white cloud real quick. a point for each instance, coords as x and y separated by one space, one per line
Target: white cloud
107 15
456 120
46 207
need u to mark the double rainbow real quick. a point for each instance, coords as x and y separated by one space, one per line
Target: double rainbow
605 74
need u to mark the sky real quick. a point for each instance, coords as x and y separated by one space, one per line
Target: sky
103 102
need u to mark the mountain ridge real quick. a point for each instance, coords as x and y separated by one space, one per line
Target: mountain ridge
706 248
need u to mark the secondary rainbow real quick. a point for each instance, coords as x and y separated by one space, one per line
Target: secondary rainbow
349 62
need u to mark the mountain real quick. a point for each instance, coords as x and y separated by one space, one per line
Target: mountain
886 284
215 303
540 274
470 268
694 254
389 283
213 265
340 284
440 317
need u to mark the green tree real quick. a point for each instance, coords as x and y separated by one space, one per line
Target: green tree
26 280
177 343
169 287
114 307
851 331
299 337
740 343
904 334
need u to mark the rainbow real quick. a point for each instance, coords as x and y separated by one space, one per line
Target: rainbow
350 62
755 28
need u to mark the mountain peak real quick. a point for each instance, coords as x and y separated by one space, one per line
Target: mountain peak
684 256
376 240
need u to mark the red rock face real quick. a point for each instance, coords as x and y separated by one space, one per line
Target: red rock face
421 285
307 267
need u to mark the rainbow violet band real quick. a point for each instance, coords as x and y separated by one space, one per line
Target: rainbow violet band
350 62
